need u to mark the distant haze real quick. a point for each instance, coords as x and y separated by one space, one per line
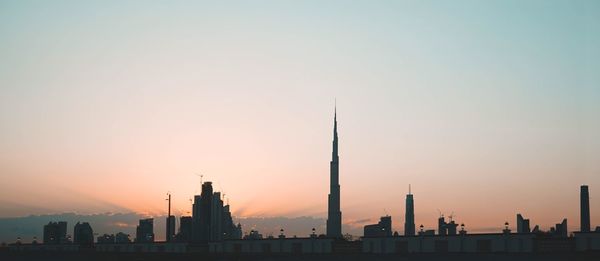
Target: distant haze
108 223
488 108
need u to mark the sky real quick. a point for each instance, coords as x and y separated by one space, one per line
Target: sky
487 108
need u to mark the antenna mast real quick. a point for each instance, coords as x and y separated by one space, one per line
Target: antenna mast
169 199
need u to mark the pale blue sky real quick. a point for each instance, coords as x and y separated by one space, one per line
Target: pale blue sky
109 99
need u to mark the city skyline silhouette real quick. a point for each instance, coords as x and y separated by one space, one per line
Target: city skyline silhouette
482 114
333 227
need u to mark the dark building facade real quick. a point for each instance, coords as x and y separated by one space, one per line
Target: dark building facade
106 239
83 234
230 230
334 214
185 229
55 233
211 221
522 224
446 228
145 231
585 209
216 218
381 229
170 232
201 214
121 238
409 216
561 229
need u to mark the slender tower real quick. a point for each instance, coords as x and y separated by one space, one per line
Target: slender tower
170 223
334 216
585 209
409 217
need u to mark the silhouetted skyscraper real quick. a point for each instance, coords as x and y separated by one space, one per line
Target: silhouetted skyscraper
83 234
196 210
561 229
522 224
185 229
334 214
170 232
451 227
211 221
216 218
585 209
230 230
409 217
145 231
202 214
55 233
442 229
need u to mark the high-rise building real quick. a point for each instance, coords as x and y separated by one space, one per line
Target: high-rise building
334 214
442 229
185 229
522 224
451 227
216 218
145 231
211 221
196 210
83 234
201 214
409 216
585 209
55 233
561 229
230 230
170 231
447 228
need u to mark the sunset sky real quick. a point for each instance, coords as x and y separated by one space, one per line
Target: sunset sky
488 108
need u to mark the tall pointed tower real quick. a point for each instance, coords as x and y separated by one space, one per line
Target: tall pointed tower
409 216
334 216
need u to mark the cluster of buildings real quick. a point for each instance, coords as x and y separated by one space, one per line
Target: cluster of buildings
447 238
55 233
211 229
211 221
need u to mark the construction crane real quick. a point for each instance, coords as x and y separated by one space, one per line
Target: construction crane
451 216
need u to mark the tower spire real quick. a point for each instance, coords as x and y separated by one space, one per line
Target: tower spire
334 216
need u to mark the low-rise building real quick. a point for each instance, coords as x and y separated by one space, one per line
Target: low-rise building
587 241
466 243
156 247
307 245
